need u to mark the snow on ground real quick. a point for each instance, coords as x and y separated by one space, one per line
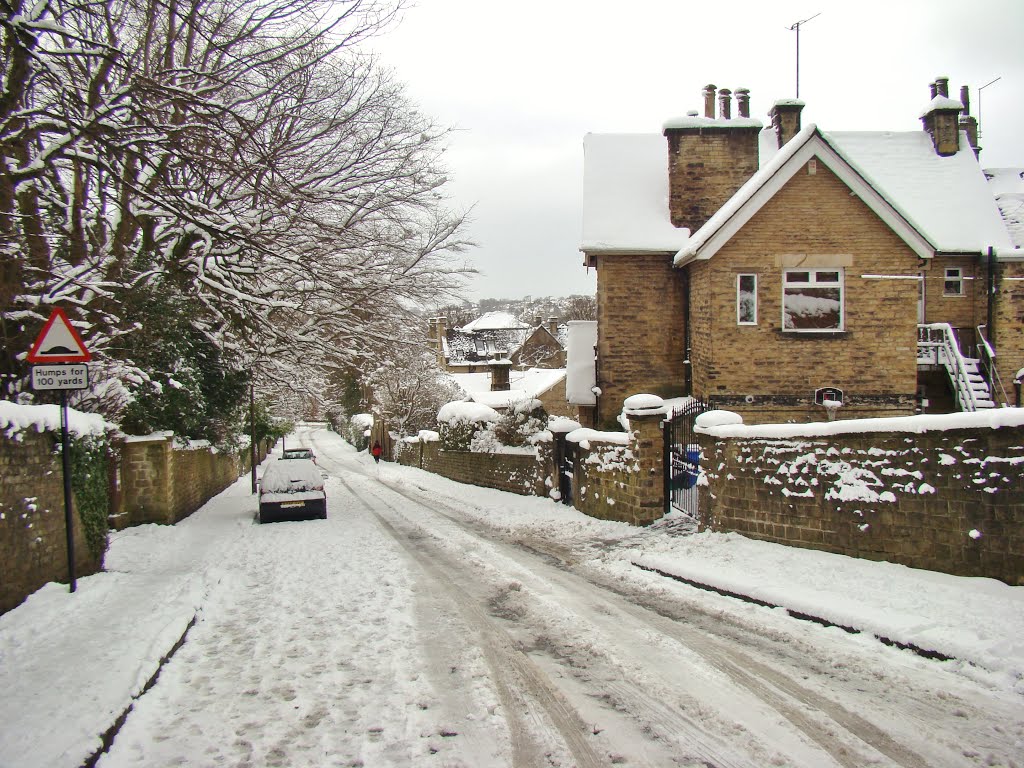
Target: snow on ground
71 663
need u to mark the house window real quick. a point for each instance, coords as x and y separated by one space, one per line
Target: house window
954 284
746 299
812 300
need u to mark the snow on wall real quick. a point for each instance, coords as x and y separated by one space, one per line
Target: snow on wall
939 499
16 418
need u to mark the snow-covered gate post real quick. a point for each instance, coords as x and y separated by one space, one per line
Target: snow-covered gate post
645 414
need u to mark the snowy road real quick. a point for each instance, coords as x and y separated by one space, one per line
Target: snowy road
408 629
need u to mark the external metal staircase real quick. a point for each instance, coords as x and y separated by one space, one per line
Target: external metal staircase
937 345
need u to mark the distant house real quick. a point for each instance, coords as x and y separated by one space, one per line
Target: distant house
498 335
501 387
775 270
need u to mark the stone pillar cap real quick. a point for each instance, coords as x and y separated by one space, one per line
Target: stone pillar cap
644 405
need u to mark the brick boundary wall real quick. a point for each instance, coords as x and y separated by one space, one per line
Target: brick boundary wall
611 481
513 472
33 541
160 483
913 499
622 482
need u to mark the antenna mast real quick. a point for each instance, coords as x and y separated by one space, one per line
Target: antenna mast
796 28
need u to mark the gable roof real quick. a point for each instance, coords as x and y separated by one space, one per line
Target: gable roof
934 204
625 194
495 321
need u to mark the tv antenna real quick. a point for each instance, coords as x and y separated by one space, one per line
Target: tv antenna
796 28
986 85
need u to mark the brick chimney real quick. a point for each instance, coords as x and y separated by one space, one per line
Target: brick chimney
553 326
709 158
499 375
785 117
941 119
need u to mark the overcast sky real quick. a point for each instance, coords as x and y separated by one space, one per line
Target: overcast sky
523 83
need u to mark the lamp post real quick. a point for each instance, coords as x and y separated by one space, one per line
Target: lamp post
252 432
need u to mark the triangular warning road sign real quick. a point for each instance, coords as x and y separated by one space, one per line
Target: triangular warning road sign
59 342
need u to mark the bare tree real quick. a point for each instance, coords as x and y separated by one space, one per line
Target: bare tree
243 152
580 308
408 389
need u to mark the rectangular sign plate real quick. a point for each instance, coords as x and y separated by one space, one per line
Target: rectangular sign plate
74 376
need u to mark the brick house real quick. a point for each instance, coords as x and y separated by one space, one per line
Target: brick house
767 269
497 335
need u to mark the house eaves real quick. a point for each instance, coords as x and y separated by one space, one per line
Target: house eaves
769 180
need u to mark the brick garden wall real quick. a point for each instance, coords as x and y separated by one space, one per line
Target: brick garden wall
906 498
516 473
33 542
622 482
163 484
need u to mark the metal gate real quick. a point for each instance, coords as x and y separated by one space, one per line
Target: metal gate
682 458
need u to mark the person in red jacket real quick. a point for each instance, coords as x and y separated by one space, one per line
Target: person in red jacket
376 451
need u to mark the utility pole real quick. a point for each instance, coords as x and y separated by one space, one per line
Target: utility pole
796 28
252 433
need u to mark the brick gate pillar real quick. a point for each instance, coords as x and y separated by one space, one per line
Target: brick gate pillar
646 414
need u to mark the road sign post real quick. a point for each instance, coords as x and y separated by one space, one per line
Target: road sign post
58 358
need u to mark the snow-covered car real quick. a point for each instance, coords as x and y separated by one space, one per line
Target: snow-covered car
298 453
292 489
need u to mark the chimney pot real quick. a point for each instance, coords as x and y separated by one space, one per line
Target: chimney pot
933 88
725 103
709 100
743 102
965 99
942 85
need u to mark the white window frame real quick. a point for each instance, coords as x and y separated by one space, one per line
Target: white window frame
739 303
813 282
953 275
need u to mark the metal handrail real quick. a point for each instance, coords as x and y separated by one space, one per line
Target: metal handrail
941 338
987 356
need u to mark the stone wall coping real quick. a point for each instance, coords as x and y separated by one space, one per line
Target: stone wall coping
995 418
586 435
155 437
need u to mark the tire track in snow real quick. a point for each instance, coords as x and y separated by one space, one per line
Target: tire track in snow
778 691
522 687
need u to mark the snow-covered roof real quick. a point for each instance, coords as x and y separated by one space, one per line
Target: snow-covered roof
935 204
495 321
946 198
625 194
1007 185
523 385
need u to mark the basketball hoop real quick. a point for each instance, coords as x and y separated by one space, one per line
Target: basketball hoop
831 406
